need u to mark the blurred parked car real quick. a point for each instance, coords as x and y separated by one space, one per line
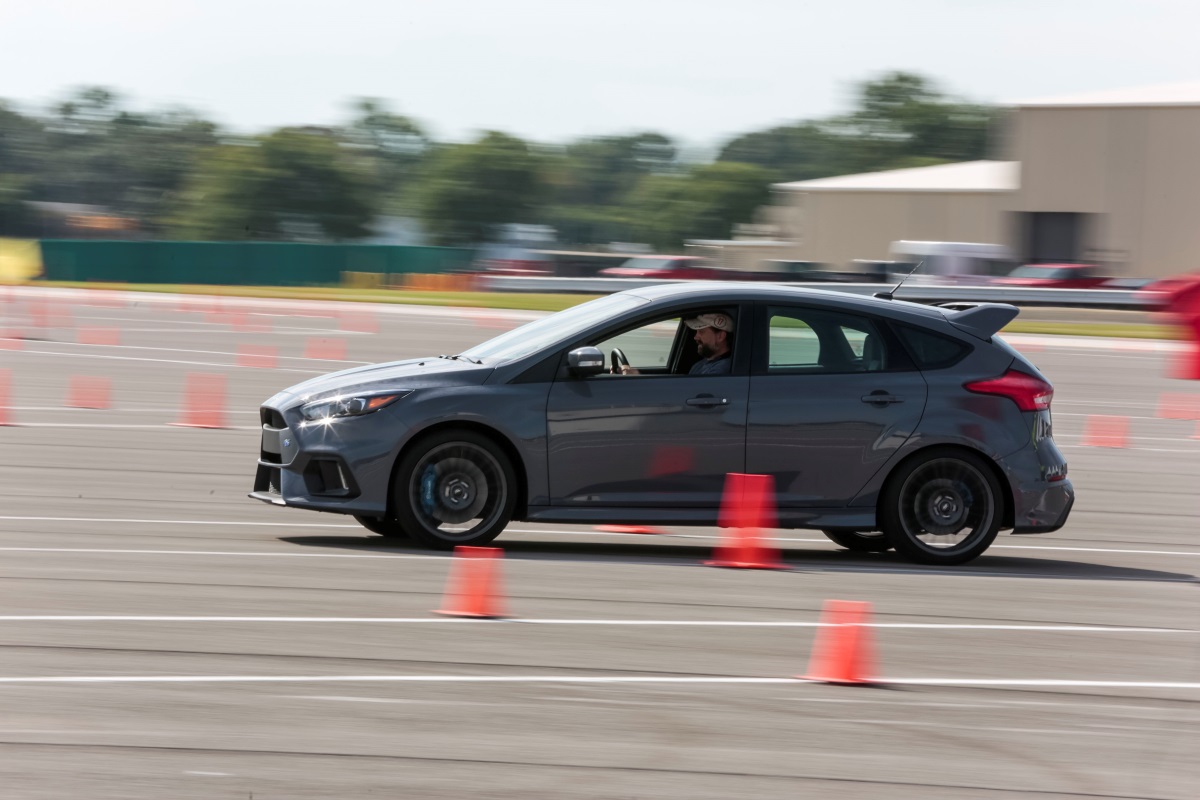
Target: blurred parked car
668 268
1054 276
508 259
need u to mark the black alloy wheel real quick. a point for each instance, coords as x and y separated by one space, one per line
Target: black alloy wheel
859 541
386 527
454 488
943 508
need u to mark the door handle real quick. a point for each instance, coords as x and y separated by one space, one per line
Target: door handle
881 398
707 401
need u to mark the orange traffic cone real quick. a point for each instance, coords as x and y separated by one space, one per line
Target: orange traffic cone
842 652
89 391
91 335
203 401
473 589
325 349
747 507
1100 430
1178 406
5 381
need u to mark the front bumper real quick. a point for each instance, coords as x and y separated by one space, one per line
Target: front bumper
1043 507
343 467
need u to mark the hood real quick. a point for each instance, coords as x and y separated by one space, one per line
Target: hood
414 373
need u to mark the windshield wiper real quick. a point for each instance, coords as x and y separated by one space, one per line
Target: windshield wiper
461 357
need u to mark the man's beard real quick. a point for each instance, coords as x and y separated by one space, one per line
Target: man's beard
706 351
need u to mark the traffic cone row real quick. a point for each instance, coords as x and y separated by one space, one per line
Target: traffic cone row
203 400
842 653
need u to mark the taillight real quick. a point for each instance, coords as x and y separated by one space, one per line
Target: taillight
1028 392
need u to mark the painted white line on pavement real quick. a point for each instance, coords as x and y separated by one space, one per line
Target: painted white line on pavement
188 363
180 522
98 425
210 553
125 410
1138 449
666 679
547 532
606 622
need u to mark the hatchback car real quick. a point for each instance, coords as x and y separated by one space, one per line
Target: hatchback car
884 424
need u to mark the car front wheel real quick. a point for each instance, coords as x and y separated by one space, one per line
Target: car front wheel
942 508
454 488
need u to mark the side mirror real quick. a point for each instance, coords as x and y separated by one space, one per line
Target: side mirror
584 361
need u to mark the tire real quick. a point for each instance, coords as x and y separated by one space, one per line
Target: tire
859 541
386 527
454 488
943 507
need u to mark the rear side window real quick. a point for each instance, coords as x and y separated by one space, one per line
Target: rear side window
932 350
801 340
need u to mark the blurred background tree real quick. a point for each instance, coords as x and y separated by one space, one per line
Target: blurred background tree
388 152
290 185
468 189
591 181
900 120
705 203
178 175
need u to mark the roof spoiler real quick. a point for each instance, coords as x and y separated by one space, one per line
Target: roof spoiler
980 319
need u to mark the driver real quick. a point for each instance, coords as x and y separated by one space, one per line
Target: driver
714 342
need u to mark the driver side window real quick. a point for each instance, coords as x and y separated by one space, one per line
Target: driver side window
648 348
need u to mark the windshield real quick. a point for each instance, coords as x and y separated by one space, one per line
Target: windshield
544 332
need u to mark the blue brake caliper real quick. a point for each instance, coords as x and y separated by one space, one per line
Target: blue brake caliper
428 501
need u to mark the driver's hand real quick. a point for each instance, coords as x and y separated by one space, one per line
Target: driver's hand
628 370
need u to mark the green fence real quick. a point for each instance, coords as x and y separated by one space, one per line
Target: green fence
238 263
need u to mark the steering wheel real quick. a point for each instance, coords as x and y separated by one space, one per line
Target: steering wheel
617 359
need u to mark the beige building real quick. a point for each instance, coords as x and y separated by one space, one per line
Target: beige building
1110 177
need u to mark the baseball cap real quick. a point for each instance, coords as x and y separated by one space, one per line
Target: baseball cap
717 320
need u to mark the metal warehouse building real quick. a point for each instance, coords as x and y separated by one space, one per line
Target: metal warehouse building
1110 177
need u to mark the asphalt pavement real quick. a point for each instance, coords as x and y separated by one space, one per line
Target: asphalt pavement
161 635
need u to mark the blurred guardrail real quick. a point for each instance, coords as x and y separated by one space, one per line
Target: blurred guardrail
1117 299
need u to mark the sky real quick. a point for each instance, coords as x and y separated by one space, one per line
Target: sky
554 70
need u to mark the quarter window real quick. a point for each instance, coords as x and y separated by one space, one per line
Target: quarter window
931 350
812 340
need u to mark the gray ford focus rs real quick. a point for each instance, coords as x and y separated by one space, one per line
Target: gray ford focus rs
883 424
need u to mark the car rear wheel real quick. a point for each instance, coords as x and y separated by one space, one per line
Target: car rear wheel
454 488
859 541
386 527
942 508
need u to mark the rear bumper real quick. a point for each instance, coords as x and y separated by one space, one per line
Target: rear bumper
1043 507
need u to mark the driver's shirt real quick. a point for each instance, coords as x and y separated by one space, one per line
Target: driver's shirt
716 366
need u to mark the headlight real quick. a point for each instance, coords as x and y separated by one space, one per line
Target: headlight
354 406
